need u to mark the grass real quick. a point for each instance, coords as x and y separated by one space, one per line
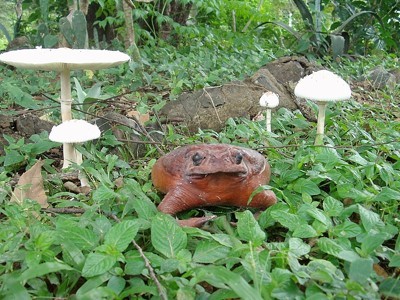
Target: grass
333 233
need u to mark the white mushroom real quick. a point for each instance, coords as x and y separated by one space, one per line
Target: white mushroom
322 87
64 60
70 133
269 100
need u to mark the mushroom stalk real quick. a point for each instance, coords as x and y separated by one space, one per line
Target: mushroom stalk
268 118
320 122
66 100
70 154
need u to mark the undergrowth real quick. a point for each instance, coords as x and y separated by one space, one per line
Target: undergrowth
332 235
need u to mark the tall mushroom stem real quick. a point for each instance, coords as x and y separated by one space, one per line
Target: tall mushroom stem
70 154
320 122
66 99
268 118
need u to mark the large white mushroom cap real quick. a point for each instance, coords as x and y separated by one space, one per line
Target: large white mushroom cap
269 100
323 86
74 131
63 58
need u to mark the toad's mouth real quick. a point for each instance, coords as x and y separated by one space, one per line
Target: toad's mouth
217 174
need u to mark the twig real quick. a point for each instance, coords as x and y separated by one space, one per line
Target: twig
74 210
213 104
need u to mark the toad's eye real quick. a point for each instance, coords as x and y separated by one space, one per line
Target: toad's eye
197 158
238 158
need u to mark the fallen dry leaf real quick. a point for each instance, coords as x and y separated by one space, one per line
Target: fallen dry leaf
142 118
30 186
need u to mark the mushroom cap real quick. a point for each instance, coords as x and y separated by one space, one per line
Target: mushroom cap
269 100
63 59
323 86
74 131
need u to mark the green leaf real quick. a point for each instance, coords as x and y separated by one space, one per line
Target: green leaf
209 252
347 229
137 200
13 157
167 236
43 269
305 231
361 269
103 193
316 214
97 264
372 241
390 287
395 261
121 234
298 247
332 207
286 219
83 238
220 277
388 195
303 185
249 229
370 220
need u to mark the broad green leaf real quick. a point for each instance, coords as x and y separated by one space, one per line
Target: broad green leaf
332 207
298 247
209 252
323 270
330 246
317 214
390 287
72 254
248 228
103 193
93 283
372 241
121 234
286 219
137 200
395 261
220 277
361 269
83 238
370 220
388 195
13 157
303 185
97 264
117 284
305 231
43 269
167 236
347 229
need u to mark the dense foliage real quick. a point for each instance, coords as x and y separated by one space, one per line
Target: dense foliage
334 232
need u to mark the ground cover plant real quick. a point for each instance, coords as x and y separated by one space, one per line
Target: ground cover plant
334 233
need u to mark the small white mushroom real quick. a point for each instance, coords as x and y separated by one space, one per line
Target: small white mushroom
70 133
269 100
322 87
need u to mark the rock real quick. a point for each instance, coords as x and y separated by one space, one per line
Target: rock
30 124
211 107
380 78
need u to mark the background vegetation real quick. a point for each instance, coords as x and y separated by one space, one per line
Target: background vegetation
333 234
